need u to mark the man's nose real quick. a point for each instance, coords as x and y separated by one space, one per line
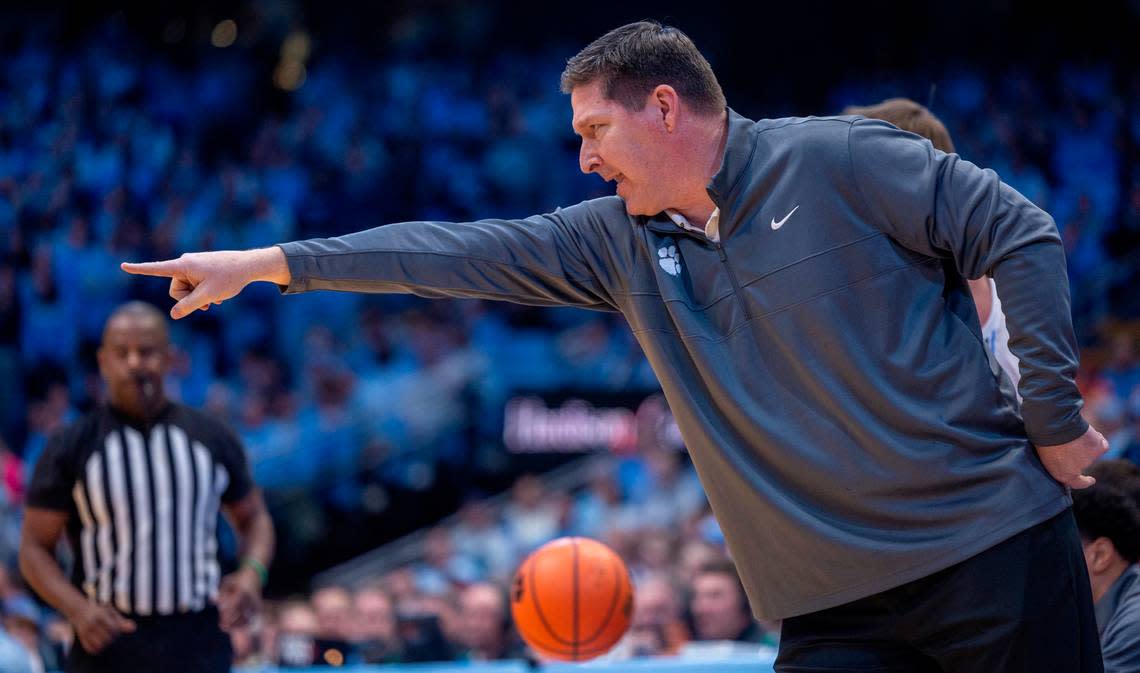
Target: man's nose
588 159
134 360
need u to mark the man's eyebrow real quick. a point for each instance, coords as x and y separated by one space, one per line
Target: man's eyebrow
582 122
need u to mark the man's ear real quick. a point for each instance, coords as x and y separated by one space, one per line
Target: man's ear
1101 553
665 104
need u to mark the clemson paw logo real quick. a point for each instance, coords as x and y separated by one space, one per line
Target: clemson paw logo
669 260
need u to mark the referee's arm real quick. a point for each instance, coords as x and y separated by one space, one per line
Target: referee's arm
239 595
47 511
95 625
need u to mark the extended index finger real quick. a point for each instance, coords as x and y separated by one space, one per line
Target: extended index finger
165 268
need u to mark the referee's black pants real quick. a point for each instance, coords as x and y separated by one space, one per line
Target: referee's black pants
191 642
1022 605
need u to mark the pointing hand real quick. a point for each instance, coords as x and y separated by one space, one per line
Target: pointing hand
198 279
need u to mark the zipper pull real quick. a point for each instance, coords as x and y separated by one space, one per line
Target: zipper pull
720 249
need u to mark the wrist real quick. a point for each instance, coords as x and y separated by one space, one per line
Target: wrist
270 265
248 578
256 570
74 610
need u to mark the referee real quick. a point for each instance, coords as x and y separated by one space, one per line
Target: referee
137 485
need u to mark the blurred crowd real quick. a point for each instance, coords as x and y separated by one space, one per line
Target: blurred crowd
111 149
453 603
110 154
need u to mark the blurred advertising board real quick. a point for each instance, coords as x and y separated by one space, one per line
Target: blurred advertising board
582 422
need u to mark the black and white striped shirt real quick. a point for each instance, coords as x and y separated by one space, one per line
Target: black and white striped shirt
143 505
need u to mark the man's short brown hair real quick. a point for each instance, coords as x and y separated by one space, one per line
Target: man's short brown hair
1120 473
1106 511
632 60
908 116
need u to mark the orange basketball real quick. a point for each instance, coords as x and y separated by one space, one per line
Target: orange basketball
571 599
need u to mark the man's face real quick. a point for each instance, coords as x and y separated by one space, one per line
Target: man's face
630 148
133 359
481 614
333 607
376 619
717 612
654 604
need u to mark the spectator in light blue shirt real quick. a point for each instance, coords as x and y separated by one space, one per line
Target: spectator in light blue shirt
13 657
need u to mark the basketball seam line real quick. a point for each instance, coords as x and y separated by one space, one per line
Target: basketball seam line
538 606
613 603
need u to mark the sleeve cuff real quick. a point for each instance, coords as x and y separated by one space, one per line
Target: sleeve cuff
1077 427
298 278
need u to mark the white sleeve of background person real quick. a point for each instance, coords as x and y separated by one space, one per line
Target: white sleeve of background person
944 206
996 335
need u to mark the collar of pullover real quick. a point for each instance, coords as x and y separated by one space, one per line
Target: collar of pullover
738 150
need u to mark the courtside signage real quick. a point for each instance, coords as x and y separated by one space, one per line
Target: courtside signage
532 424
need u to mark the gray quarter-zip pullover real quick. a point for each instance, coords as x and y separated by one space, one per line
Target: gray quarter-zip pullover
824 361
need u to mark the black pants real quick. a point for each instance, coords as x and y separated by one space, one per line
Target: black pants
165 644
1022 605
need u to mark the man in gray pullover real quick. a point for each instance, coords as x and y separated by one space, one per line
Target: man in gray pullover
797 286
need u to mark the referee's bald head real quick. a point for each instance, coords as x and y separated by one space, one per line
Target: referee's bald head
139 313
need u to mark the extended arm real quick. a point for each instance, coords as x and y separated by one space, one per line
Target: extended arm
545 260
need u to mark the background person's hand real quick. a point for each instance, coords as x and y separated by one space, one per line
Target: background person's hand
97 626
239 598
198 279
1067 462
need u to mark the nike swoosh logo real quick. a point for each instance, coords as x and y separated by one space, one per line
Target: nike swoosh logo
776 224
